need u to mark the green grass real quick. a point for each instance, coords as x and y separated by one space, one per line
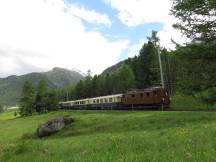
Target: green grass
100 136
184 102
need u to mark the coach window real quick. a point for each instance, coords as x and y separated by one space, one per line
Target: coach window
101 100
110 99
105 100
97 100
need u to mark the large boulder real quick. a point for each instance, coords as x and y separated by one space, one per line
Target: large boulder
53 126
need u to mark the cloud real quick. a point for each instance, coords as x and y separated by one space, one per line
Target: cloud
168 33
42 34
137 12
90 15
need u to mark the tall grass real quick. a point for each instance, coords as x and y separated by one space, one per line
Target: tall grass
111 136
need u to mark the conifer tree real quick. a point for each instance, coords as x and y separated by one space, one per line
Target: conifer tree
41 97
52 101
27 100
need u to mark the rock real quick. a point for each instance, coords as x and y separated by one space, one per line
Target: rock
52 126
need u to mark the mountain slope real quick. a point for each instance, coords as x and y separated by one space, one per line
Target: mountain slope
10 87
114 68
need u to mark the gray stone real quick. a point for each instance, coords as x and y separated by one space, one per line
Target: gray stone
52 126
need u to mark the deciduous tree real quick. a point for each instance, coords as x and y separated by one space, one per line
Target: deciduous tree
197 18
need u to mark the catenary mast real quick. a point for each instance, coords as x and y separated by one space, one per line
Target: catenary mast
161 68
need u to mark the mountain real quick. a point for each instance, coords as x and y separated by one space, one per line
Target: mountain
11 86
113 68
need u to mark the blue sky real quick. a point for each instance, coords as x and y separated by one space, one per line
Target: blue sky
37 35
117 30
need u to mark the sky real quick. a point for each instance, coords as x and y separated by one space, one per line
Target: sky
37 35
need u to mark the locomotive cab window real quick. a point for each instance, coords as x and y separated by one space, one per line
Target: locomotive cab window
132 95
147 94
141 94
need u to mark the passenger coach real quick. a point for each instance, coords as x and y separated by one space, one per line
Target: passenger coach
155 97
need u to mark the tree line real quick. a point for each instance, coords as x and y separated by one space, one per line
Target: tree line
37 100
139 72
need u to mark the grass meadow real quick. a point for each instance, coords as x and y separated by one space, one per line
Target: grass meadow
111 136
186 102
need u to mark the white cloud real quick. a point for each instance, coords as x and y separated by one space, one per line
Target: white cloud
168 33
40 34
136 12
90 15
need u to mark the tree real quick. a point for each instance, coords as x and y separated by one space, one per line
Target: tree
109 84
146 65
197 67
41 97
125 79
52 102
197 18
95 86
27 100
80 90
1 108
196 61
88 85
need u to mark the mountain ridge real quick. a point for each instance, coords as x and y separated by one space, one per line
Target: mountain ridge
11 86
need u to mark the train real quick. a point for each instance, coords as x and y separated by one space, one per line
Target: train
134 99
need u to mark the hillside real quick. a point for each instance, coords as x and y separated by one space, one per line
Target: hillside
97 136
10 87
113 68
